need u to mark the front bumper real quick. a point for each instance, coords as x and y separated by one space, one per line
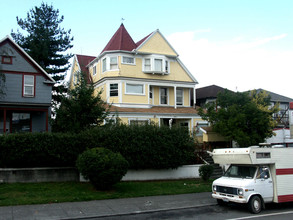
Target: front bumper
229 197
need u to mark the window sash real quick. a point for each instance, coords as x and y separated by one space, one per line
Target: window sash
164 96
113 63
28 85
134 88
114 89
158 65
179 97
147 64
127 60
104 64
94 70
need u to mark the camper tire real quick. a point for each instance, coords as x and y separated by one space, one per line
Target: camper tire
255 204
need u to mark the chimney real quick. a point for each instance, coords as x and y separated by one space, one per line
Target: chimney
291 119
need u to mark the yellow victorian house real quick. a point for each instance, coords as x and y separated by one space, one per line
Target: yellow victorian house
144 81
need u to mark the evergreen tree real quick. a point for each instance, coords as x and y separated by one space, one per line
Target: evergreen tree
243 117
46 42
80 109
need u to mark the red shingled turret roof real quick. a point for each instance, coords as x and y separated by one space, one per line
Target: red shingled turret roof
121 40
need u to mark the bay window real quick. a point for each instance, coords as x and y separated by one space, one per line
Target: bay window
156 65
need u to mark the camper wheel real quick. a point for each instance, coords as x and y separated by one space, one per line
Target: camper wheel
255 204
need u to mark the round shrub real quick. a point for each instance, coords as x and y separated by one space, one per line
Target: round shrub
102 167
205 171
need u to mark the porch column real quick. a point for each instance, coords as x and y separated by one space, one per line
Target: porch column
194 95
175 97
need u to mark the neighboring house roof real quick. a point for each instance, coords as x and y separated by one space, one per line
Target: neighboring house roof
83 61
121 40
208 92
34 63
155 109
276 97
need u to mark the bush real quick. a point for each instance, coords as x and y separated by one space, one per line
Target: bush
205 171
102 167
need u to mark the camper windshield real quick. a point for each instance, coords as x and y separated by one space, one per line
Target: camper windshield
239 171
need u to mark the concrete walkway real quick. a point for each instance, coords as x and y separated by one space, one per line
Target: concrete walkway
105 208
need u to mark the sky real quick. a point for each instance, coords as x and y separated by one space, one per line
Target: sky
235 44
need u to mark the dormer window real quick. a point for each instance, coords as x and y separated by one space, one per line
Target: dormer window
156 65
6 60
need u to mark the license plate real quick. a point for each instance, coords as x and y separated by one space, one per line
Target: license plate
225 200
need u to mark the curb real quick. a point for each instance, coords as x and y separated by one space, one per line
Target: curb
138 212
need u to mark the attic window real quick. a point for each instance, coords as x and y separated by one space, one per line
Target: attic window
6 60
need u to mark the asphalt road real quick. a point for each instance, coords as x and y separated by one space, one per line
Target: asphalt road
228 212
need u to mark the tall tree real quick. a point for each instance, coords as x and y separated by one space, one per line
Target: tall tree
243 117
80 109
46 42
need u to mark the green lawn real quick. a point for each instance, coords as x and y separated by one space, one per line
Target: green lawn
39 193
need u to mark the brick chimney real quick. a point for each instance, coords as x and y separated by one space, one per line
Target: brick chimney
291 119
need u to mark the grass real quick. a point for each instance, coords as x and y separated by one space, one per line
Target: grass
41 193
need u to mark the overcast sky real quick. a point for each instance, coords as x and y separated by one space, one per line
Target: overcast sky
235 44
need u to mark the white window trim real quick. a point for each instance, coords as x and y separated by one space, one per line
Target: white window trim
134 60
168 96
138 84
29 85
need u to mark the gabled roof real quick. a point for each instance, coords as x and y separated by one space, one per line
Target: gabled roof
82 62
208 92
276 97
36 65
121 40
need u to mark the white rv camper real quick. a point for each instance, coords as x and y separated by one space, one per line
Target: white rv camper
257 175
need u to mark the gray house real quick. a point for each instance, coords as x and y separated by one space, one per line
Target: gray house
26 99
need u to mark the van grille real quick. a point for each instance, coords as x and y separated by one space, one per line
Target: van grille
227 190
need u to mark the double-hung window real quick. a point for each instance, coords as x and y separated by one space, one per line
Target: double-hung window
104 64
28 85
163 96
147 64
113 63
159 65
179 97
137 89
114 89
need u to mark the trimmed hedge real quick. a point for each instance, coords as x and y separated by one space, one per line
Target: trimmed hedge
143 147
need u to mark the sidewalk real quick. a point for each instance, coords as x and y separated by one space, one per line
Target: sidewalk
103 208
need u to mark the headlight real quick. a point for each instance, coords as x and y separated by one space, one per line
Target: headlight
240 192
214 188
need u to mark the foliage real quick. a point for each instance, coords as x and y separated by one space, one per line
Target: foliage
80 109
46 42
102 167
144 147
244 118
205 171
